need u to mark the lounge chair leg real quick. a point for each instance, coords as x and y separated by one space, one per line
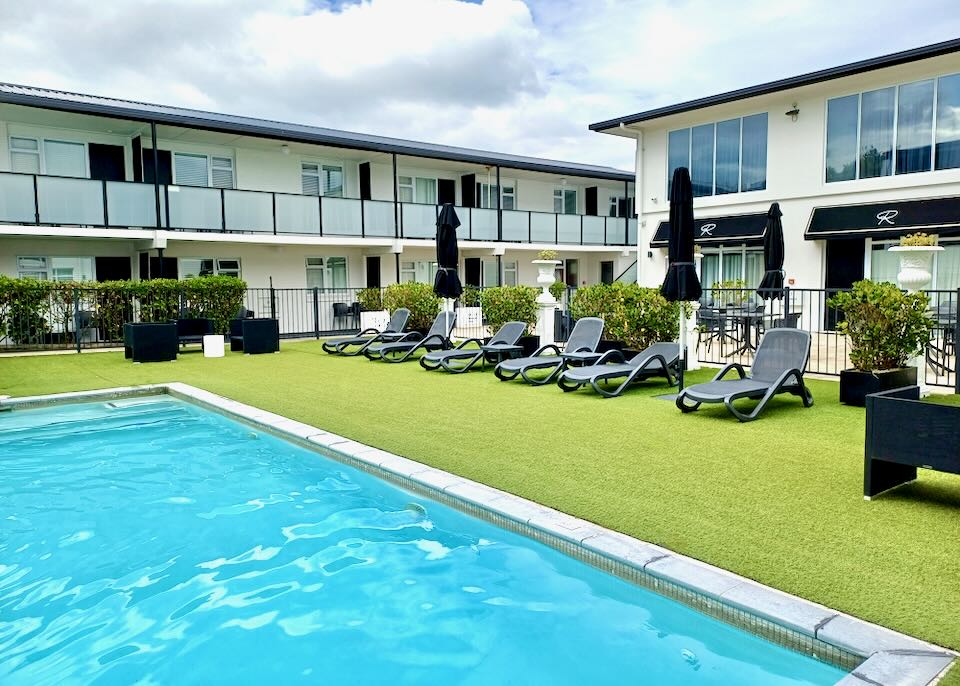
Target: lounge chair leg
682 405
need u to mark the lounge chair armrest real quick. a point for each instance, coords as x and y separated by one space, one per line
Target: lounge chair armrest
369 331
410 336
434 337
581 349
726 369
464 344
543 348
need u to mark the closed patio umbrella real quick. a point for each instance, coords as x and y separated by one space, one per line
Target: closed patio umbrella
771 286
447 282
681 283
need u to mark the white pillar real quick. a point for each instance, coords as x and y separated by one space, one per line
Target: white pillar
693 342
546 317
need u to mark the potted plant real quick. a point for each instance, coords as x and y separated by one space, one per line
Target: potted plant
419 298
512 304
469 312
547 264
886 328
916 252
634 317
372 313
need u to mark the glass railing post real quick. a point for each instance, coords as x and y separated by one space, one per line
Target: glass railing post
36 201
106 212
273 201
529 227
556 228
581 229
363 220
223 211
320 210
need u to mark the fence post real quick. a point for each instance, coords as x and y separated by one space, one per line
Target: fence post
956 344
316 312
273 302
76 318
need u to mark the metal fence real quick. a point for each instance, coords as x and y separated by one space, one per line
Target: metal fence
731 321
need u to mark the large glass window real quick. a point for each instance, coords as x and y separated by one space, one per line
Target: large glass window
417 189
321 179
842 116
422 271
62 158
914 127
208 266
948 123
490 277
726 157
948 268
55 268
487 196
884 265
701 160
753 168
901 119
733 263
190 170
876 133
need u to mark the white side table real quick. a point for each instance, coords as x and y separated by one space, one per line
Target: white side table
213 345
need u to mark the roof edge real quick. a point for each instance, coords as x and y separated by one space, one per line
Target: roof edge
810 78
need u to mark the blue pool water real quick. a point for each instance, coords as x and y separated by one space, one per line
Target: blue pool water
154 542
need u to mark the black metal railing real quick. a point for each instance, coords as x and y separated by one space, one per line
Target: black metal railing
69 201
731 321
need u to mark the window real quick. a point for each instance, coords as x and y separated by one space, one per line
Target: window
190 169
510 273
208 266
62 158
913 127
565 200
321 179
884 265
490 274
572 272
24 155
405 188
421 271
620 207
56 268
726 157
487 196
417 189
326 272
734 263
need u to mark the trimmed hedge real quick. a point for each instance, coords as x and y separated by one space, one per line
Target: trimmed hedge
419 298
29 309
635 315
510 304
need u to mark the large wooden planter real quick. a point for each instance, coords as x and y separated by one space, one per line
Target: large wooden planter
855 385
904 433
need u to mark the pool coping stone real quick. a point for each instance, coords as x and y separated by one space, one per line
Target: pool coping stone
883 657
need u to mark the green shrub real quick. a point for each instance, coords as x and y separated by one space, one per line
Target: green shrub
510 304
635 315
370 299
918 239
419 298
886 326
557 289
470 297
547 255
213 297
26 306
730 292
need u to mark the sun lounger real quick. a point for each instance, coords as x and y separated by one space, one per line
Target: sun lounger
581 347
778 367
391 332
660 359
461 358
437 338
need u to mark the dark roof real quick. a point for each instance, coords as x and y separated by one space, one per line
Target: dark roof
892 60
301 133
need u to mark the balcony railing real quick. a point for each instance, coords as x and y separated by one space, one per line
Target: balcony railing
57 200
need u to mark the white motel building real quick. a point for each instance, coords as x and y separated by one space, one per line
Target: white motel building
95 188
856 155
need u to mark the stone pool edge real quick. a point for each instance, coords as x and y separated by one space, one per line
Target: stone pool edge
877 656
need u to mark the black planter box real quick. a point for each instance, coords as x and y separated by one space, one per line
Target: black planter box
255 336
529 345
855 385
903 433
150 342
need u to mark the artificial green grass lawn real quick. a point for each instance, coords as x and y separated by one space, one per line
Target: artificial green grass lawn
778 500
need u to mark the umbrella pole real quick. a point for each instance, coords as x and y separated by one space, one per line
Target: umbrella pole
683 345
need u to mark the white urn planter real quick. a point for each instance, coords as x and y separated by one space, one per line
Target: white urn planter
546 277
915 265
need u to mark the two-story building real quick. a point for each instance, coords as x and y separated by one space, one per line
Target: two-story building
95 188
856 155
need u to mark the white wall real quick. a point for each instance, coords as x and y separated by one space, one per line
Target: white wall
796 153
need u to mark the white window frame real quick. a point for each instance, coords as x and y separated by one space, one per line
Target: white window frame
562 190
510 269
40 140
48 269
413 187
412 271
483 194
217 269
896 128
320 164
324 268
209 158
722 250
713 190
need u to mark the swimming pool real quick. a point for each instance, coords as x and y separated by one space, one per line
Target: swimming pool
149 539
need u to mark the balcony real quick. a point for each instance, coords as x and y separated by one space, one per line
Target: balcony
54 200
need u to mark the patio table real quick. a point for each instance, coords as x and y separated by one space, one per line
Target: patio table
497 353
747 320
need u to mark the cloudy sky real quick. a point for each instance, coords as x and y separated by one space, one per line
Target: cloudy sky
516 76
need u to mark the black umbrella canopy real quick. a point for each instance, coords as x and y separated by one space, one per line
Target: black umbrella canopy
681 282
771 286
447 283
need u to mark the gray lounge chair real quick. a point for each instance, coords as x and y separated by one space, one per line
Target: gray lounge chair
461 358
391 332
401 350
660 359
581 346
778 367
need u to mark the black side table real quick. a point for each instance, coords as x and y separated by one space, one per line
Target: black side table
256 336
144 342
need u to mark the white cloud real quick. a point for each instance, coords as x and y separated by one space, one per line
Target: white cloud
520 77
